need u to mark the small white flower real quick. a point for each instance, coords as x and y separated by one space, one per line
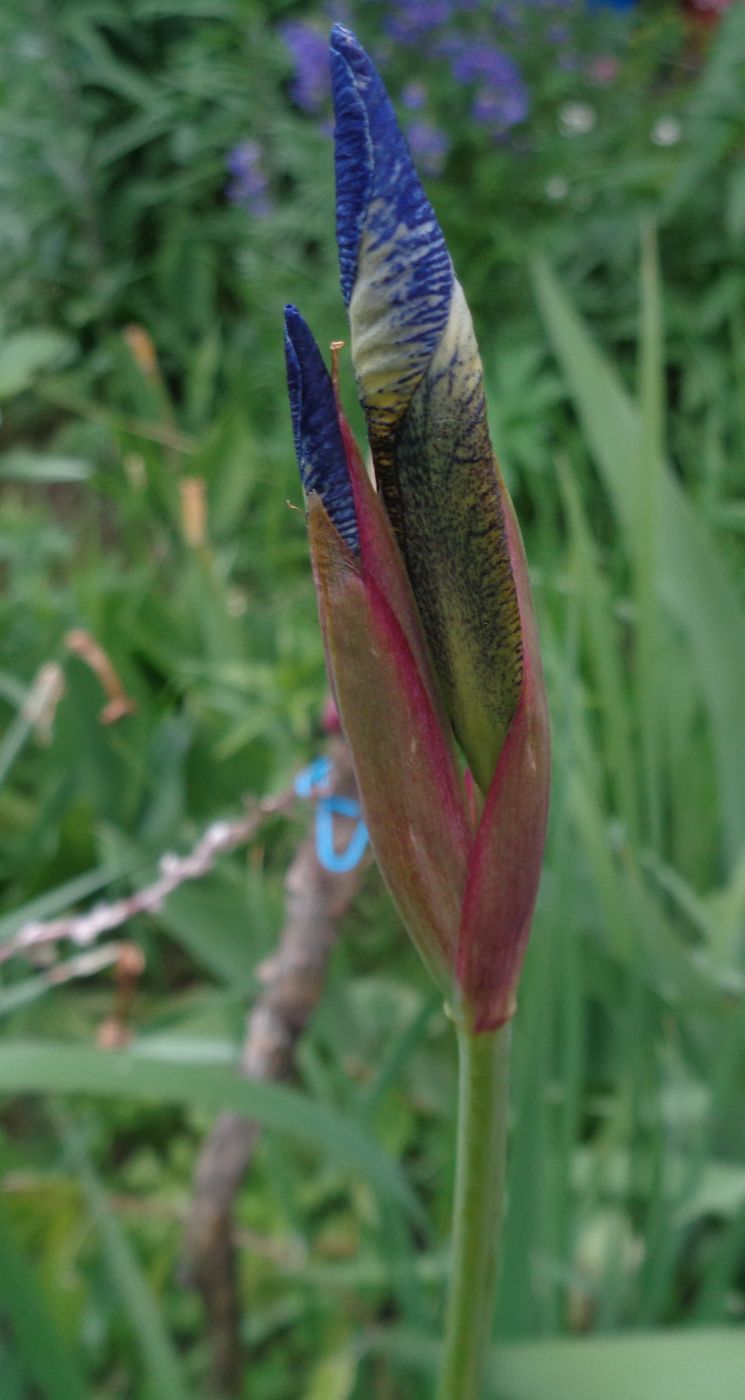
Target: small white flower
666 131
577 118
557 188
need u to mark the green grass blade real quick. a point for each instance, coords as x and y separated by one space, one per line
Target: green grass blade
37 1351
604 652
13 741
400 1052
49 1067
647 529
10 1372
691 580
645 1366
673 1365
159 1356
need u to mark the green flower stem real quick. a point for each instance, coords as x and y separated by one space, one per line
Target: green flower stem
483 1095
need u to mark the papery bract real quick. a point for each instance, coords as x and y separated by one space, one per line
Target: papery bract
378 667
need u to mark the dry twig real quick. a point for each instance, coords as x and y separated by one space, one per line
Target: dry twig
118 703
293 981
173 870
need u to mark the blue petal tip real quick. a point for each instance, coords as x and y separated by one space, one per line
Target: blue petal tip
351 71
343 41
315 424
373 163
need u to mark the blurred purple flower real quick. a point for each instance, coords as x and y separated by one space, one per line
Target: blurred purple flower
474 61
500 110
414 96
429 146
249 186
411 20
501 99
308 49
507 15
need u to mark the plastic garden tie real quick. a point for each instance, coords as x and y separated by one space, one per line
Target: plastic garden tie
315 776
331 859
310 783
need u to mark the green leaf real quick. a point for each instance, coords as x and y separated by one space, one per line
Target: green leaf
11 1374
143 1309
672 1365
210 920
676 1366
21 464
690 578
335 1375
27 354
38 1351
54 1068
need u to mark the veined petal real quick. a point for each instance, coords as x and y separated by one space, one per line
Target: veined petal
421 385
319 446
409 787
396 272
453 536
505 863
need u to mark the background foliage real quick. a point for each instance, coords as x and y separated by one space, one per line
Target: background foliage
165 185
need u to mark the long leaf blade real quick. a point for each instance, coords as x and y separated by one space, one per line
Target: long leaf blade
50 1067
691 580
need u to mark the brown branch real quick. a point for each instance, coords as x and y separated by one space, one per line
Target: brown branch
84 929
315 900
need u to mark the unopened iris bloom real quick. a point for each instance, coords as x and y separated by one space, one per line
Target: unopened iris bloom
422 583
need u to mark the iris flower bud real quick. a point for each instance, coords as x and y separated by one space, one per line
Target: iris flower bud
422 585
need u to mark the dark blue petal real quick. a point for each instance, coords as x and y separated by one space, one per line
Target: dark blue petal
315 425
378 194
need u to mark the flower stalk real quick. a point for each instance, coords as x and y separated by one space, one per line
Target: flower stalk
478 1208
